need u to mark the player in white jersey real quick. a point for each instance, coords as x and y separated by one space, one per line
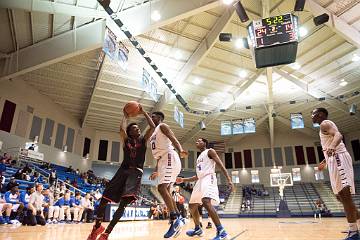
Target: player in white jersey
341 172
168 167
206 191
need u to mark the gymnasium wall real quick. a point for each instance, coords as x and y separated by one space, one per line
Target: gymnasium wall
51 154
33 113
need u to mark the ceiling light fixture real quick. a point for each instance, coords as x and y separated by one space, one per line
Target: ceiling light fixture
243 74
197 81
295 66
205 101
228 2
343 83
239 43
303 31
355 58
178 55
156 16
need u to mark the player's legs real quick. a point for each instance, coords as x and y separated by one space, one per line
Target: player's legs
195 213
221 233
211 210
98 229
351 211
342 182
164 190
197 231
116 217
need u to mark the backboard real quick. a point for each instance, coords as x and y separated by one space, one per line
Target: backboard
281 179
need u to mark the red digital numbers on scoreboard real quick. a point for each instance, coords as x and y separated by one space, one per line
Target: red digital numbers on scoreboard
260 32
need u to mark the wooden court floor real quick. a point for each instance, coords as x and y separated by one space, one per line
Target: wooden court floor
267 228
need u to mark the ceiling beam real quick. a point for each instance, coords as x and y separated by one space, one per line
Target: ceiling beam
199 54
52 8
316 93
59 48
137 19
96 83
214 116
340 26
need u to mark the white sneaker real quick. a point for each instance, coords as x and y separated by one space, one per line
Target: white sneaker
49 221
54 221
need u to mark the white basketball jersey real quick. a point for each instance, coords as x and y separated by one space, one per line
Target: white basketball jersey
160 143
326 140
204 165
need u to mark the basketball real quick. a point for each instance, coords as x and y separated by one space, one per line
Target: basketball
132 108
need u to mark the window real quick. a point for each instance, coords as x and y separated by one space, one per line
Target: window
255 176
235 176
319 175
296 174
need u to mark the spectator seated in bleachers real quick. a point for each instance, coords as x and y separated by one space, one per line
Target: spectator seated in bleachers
34 214
51 212
6 158
25 196
4 208
76 207
64 204
88 208
2 166
69 169
11 184
13 197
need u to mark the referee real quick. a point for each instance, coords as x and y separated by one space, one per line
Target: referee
124 187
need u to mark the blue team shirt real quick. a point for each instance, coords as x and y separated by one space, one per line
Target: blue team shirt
11 198
62 202
25 198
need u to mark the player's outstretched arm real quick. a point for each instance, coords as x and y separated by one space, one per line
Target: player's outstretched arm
328 129
123 125
213 155
165 129
190 179
152 126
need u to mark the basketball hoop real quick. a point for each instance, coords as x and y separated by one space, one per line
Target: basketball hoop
281 180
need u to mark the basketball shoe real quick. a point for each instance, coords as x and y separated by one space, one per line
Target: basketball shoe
195 232
95 232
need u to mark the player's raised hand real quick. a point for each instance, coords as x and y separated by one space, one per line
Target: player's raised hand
125 114
179 180
322 165
153 176
141 110
183 154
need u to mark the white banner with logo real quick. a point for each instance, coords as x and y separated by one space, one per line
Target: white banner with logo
131 213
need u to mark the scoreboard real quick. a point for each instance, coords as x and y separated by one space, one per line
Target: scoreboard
274 40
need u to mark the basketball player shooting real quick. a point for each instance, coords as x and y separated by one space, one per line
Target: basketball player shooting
168 167
124 187
206 189
339 163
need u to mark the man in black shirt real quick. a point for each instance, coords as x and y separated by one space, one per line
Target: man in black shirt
124 187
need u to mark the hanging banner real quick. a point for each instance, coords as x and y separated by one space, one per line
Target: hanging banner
297 120
115 49
237 126
249 125
226 128
179 116
149 85
181 119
